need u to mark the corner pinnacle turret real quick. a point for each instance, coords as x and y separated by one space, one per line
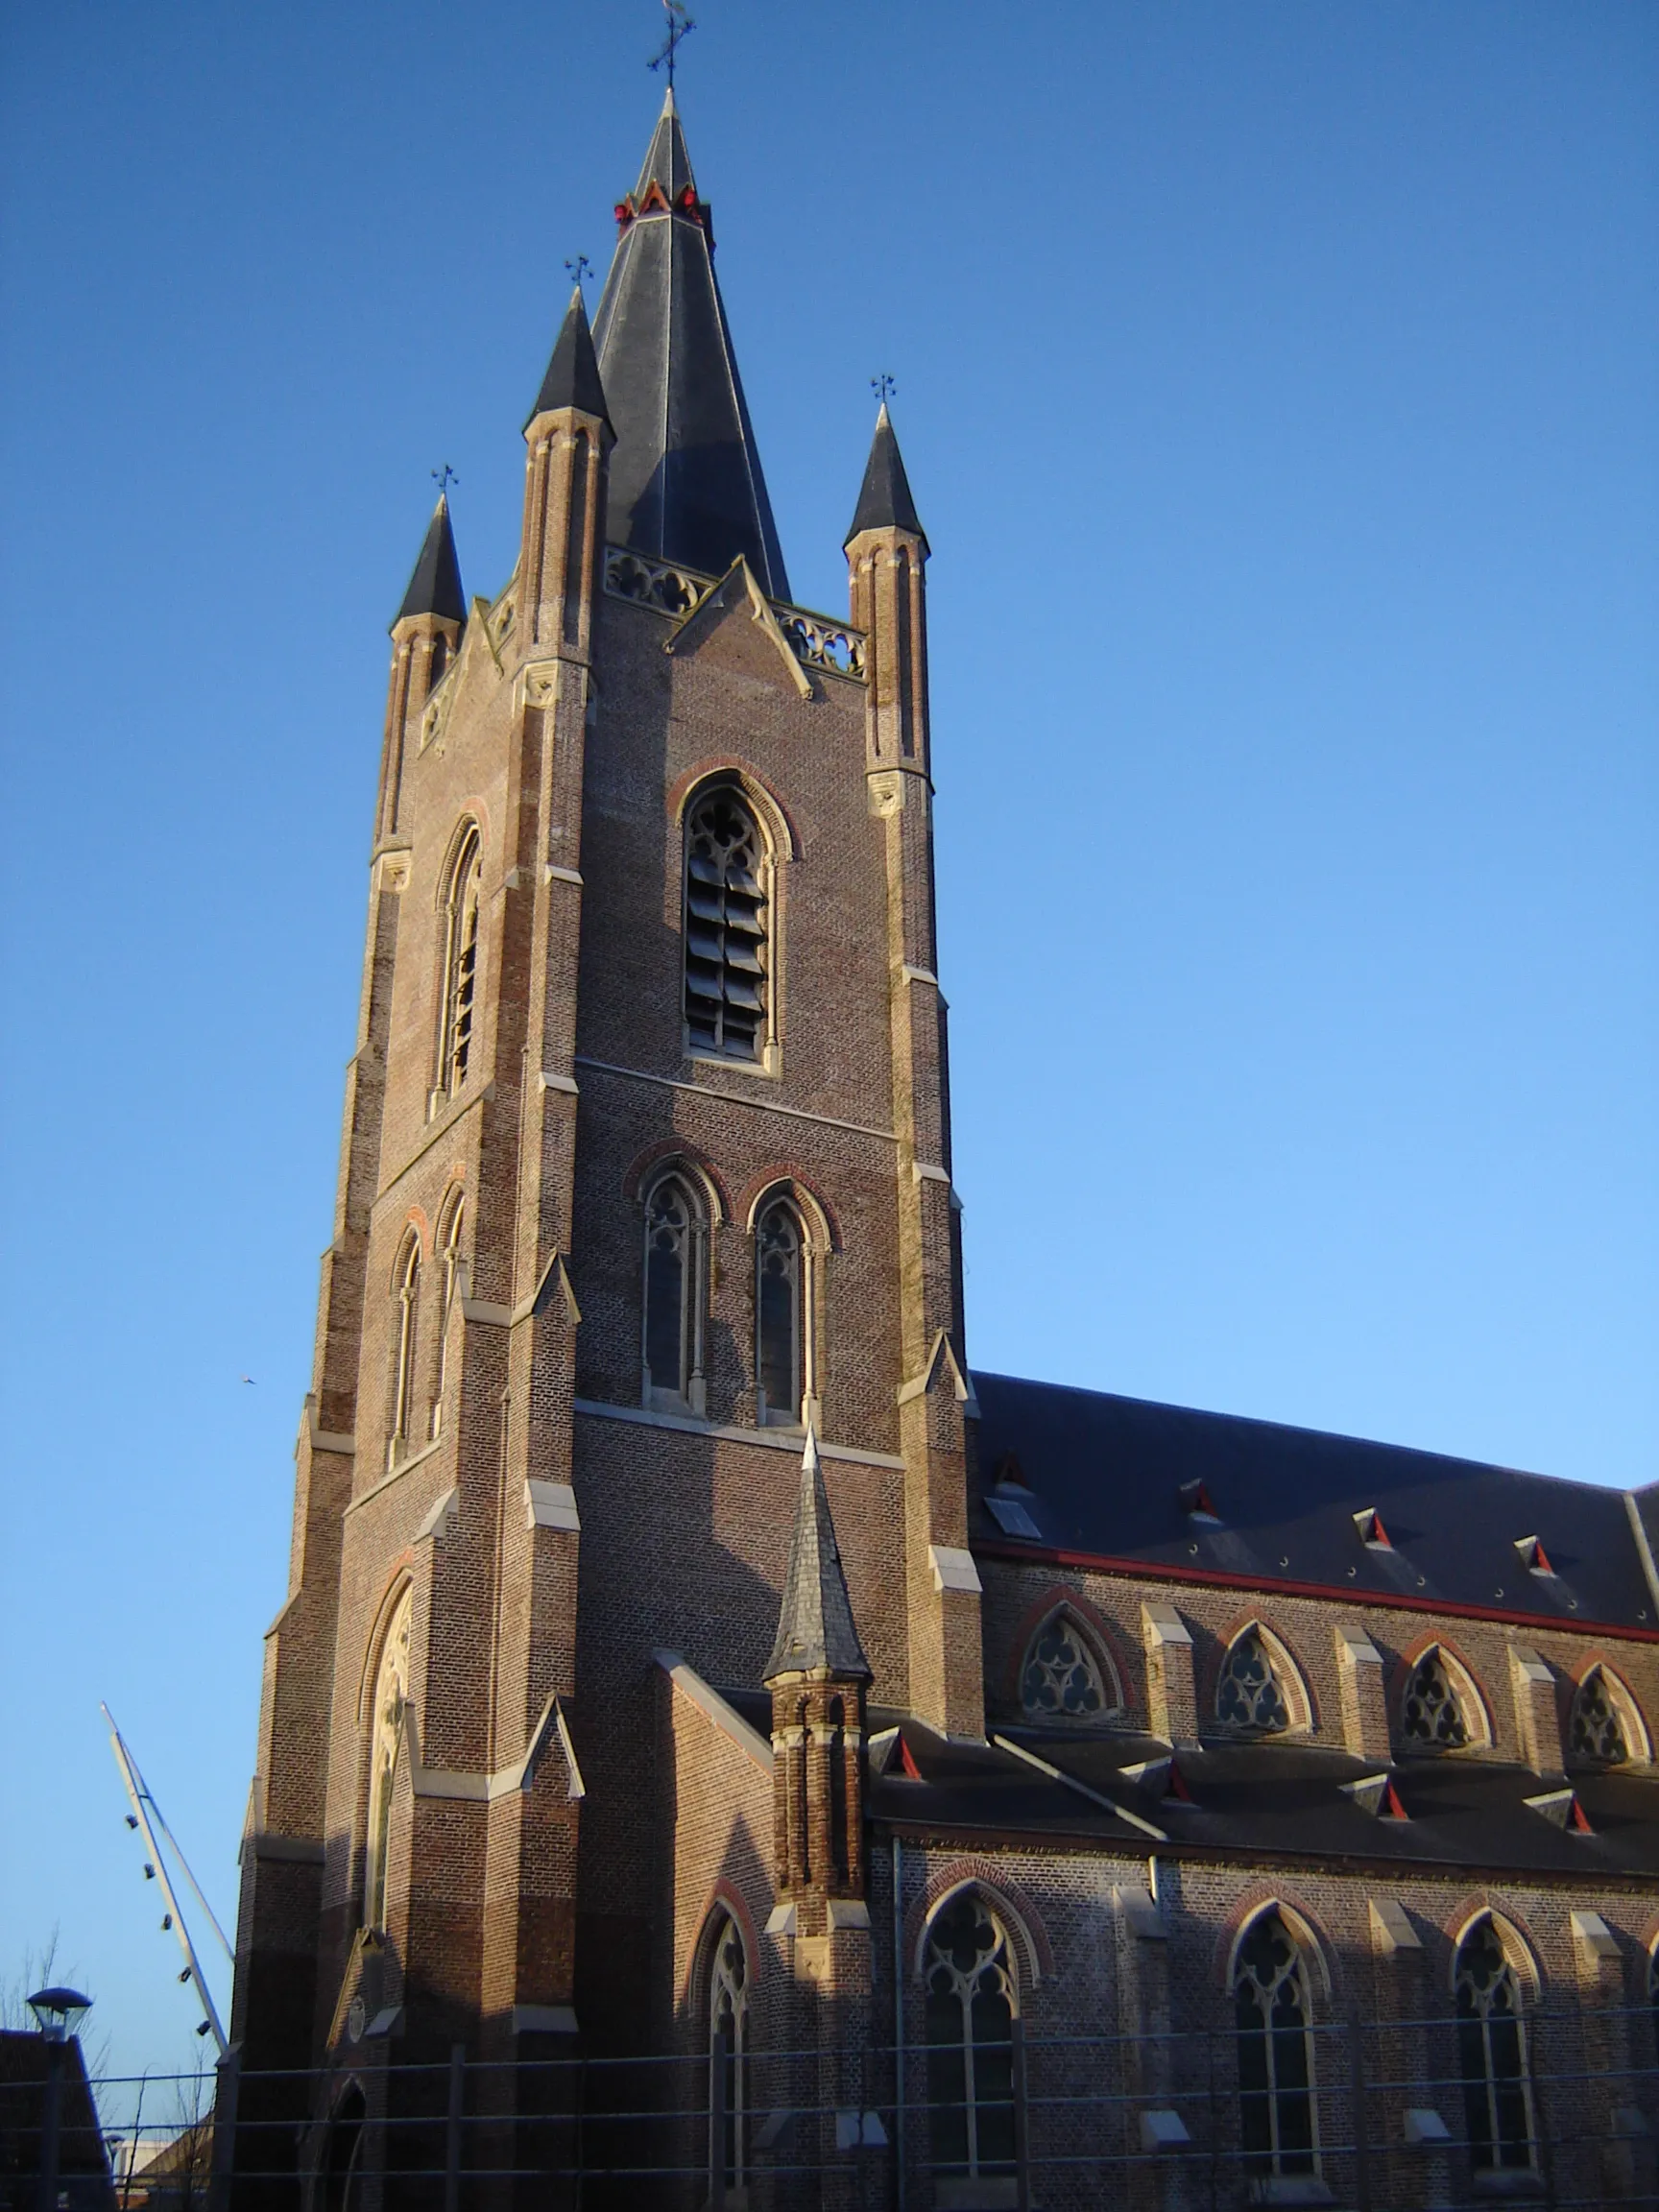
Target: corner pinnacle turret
435 587
884 500
685 482
572 378
815 1627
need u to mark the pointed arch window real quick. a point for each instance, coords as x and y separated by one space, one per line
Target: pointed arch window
1492 2052
1062 1679
1596 1729
460 970
452 1284
1274 2023
780 1265
1250 1699
406 1328
1432 1714
969 1977
727 929
385 1754
676 1236
728 2003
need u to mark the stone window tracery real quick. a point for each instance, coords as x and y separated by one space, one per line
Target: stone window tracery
1431 1713
1062 1679
385 1753
969 1978
460 967
727 928
1249 1697
1492 2052
672 1348
1274 2023
780 1265
1596 1729
728 2003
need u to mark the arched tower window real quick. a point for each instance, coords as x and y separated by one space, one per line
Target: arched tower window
675 1237
727 928
780 1303
1431 1715
968 1975
1492 2051
385 1752
406 1329
1596 1730
1250 1699
460 972
728 2003
1062 1679
1274 2022
452 1284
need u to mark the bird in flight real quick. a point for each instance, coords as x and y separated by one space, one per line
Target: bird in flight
246 1378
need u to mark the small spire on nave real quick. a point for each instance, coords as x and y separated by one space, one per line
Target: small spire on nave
435 587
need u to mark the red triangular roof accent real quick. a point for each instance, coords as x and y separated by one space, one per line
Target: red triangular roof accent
1175 1786
1540 1559
1578 1819
1380 1534
1391 1808
907 1766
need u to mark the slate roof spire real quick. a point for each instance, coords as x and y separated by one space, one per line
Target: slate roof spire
815 1628
572 378
685 482
435 588
884 500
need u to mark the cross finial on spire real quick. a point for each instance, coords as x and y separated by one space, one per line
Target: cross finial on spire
444 477
679 26
884 386
578 269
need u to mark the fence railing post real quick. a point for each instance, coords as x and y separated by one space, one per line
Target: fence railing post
1022 2165
452 2132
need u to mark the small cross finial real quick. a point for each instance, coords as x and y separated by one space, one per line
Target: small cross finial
883 385
444 477
679 26
577 270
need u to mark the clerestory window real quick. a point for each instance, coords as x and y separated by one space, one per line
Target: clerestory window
1595 1728
1275 2050
457 1001
1432 1714
1062 1679
727 926
1249 1697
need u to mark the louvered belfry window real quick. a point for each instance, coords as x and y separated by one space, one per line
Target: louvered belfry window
726 928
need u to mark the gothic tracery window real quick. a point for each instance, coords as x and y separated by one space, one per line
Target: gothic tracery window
1249 1696
673 1329
1596 1730
727 929
728 2000
1492 2051
780 1263
969 1978
386 1747
406 1327
1432 1714
1062 1679
460 970
1275 2050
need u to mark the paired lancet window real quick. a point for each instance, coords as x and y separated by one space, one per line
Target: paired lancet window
780 1304
677 1224
1492 2052
968 1975
676 1242
460 967
727 928
1274 2023
385 1754
451 1284
406 1325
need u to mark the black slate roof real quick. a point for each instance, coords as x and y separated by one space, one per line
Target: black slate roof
815 1627
435 588
1218 1496
884 500
572 378
686 480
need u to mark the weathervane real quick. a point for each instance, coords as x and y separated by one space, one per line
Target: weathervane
444 477
577 270
882 385
679 26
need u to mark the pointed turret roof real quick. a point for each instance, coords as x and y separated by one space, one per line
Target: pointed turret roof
435 588
572 378
815 1627
686 480
884 501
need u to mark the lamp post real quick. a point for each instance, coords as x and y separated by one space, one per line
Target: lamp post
60 2012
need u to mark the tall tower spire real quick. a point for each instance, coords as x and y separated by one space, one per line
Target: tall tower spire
686 480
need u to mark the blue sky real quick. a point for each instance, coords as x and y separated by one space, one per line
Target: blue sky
1278 385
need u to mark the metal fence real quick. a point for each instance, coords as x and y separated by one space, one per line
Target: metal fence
1379 2117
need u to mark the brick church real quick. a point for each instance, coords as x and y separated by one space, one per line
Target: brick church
690 1652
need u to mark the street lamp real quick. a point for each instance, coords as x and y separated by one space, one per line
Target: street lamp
60 2012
